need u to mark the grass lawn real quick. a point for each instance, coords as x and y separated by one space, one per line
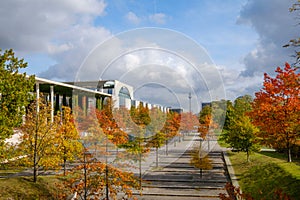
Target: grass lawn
265 173
24 188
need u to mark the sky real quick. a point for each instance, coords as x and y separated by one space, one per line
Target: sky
166 49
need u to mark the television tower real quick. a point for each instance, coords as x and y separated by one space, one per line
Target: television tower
190 102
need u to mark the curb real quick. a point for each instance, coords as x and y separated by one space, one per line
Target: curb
230 170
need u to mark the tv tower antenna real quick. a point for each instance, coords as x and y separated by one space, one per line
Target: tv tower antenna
190 102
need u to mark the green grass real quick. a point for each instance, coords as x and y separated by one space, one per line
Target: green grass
24 188
265 173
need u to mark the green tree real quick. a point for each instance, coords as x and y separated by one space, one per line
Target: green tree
14 94
157 138
239 132
157 141
219 112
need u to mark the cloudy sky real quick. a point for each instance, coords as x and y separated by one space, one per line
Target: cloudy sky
214 49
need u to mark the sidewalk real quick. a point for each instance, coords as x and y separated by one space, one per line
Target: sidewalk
175 149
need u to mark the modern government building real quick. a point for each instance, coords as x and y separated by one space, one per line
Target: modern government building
88 94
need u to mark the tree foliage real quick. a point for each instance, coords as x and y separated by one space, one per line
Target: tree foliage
200 160
14 94
93 179
188 121
239 132
109 125
276 109
172 125
67 137
206 122
39 138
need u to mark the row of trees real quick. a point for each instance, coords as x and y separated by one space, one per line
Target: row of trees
271 118
77 143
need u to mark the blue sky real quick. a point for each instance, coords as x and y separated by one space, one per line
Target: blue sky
243 38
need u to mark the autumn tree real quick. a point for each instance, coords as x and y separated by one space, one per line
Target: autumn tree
157 122
67 137
188 121
206 124
200 160
96 175
140 117
109 125
14 94
93 179
38 139
157 141
157 138
276 109
205 118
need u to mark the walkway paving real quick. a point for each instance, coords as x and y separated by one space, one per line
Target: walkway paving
175 178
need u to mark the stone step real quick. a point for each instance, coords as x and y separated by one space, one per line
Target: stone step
182 193
155 197
155 180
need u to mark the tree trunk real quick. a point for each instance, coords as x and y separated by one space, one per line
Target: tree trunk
140 166
85 177
289 155
201 173
166 146
65 160
156 157
247 155
35 167
35 154
175 140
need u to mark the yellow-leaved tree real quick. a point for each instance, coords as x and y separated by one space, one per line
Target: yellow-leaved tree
67 137
39 138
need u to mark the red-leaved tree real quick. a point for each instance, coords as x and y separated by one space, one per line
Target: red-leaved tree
276 109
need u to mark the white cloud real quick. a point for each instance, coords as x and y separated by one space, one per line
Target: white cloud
275 26
131 61
132 18
63 30
158 18
32 26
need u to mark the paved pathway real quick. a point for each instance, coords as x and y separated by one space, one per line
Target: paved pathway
176 179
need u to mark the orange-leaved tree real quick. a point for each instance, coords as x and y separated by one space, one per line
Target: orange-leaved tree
206 123
188 121
67 137
171 127
109 125
93 179
276 109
